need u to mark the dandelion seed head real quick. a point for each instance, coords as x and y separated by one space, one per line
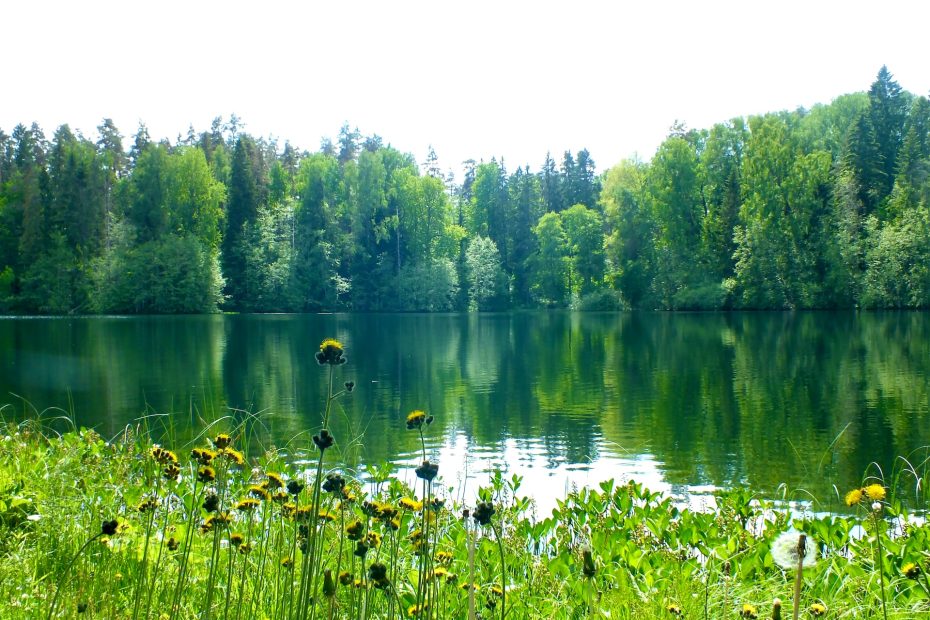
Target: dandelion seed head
785 551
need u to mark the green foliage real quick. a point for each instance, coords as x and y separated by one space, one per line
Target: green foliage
170 275
429 287
765 212
486 280
898 262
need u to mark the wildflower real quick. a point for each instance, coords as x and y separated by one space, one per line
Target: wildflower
436 504
205 474
204 456
279 497
776 609
222 518
211 502
415 419
247 504
451 578
875 492
377 572
259 492
345 577
294 487
427 471
416 610
222 441
234 455
164 457
496 590
483 513
324 440
275 481
785 551
236 539
334 484
675 610
245 548
748 611
147 505
355 530
108 528
911 570
817 609
472 586
330 353
443 557
361 549
373 540
326 516
173 544
853 497
171 472
386 512
394 524
287 562
439 572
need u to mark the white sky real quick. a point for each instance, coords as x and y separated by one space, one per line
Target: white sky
473 78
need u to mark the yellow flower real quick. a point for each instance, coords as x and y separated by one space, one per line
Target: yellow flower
911 570
875 492
222 441
259 492
330 353
439 572
748 611
415 419
233 455
853 497
275 481
443 557
818 609
675 610
410 504
248 503
416 610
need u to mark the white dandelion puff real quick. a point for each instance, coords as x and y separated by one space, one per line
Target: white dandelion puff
785 550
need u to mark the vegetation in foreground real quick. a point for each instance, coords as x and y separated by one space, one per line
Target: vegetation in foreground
128 529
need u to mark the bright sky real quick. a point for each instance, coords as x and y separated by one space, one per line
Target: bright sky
473 78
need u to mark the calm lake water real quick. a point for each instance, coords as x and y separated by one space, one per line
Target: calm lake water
782 402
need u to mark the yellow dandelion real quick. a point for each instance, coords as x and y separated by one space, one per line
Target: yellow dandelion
817 609
236 539
275 481
853 497
222 441
247 503
330 353
443 557
675 610
439 572
748 611
875 492
233 455
415 419
411 505
259 492
911 570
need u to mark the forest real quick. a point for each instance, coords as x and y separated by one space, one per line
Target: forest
819 208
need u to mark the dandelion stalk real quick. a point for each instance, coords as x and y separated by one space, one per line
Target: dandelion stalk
878 523
108 528
799 577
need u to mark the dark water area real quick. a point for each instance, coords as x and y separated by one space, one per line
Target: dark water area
794 405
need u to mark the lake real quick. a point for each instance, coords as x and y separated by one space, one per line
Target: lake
793 405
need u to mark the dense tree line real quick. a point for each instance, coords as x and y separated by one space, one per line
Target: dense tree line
816 208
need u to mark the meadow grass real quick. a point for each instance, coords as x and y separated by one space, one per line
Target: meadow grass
125 528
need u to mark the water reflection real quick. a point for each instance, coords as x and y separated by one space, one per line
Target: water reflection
679 401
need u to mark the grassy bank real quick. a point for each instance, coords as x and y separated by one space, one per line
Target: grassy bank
122 528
